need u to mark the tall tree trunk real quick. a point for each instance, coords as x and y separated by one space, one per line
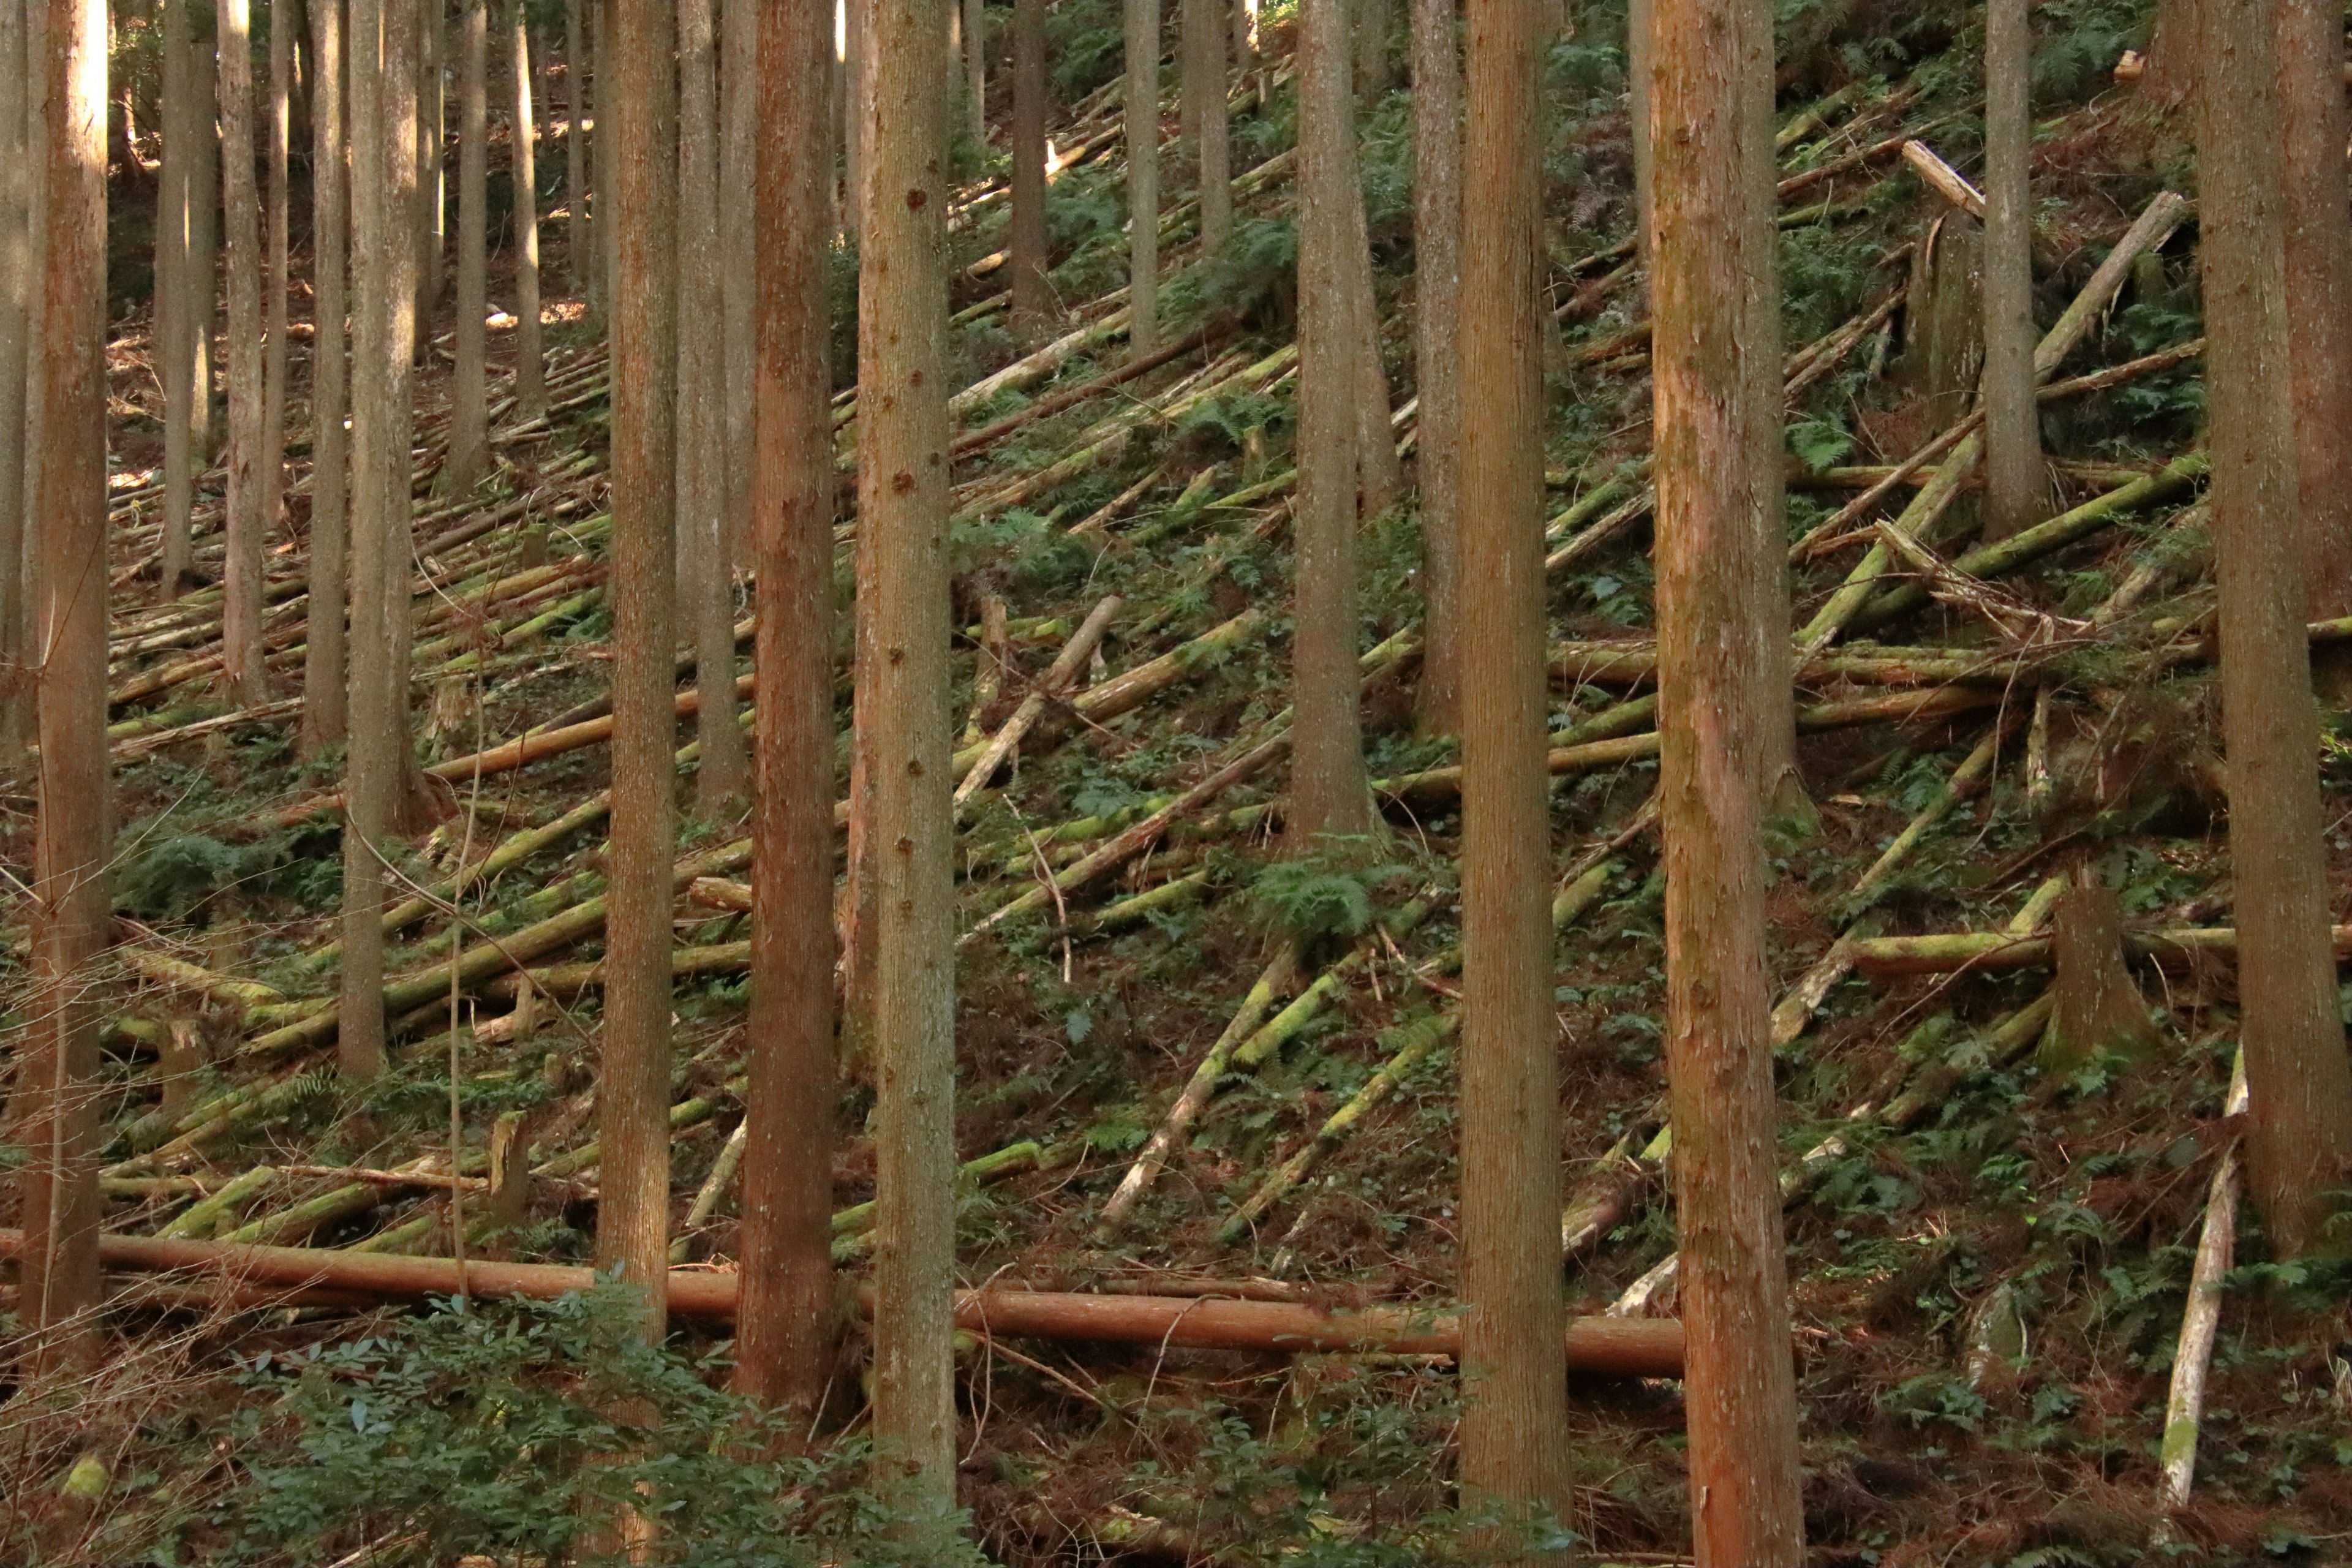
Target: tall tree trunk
324 704
432 158
1328 794
2017 487
1033 295
176 309
202 281
1437 286
2314 125
1142 176
1514 1417
705 584
1379 473
578 224
975 69
1722 610
604 178
902 486
276 280
246 525
784 1310
2300 1088
738 111
57 1293
1638 37
632 1093
468 393
1375 20
384 332
856 91
1206 131
17 103
531 356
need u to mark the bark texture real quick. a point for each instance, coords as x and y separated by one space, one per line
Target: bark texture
1437 216
324 698
1722 612
531 355
2313 127
579 223
469 428
1515 1415
1207 132
244 524
903 500
57 1083
1328 794
785 1301
1032 299
278 132
1142 92
175 310
2016 484
16 100
632 1088
2296 1077
975 68
739 111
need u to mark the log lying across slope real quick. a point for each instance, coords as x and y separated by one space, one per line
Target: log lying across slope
1631 1347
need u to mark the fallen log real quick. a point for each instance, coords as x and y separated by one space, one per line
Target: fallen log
1628 1347
1950 952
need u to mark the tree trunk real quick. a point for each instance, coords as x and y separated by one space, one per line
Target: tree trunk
1207 132
1514 1421
57 1292
1142 176
530 356
1379 476
1033 297
274 283
705 584
18 100
176 310
2301 1104
1437 285
2017 485
784 1312
738 110
244 524
1722 610
1375 20
1329 795
633 1092
432 150
975 69
204 247
323 673
578 224
383 328
468 393
2316 125
854 91
903 500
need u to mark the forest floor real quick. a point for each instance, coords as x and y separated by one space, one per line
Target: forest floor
1990 1227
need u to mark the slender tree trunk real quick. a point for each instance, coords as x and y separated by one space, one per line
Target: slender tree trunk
633 1094
1379 476
241 610
1437 285
975 68
1515 1417
739 111
1722 608
57 1293
2316 125
432 154
1375 20
324 696
384 331
468 393
176 309
578 224
2017 487
204 247
280 276
2300 1088
605 177
1142 176
903 499
17 101
855 94
1637 107
1206 132
705 584
530 357
1033 297
1328 794
784 1316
